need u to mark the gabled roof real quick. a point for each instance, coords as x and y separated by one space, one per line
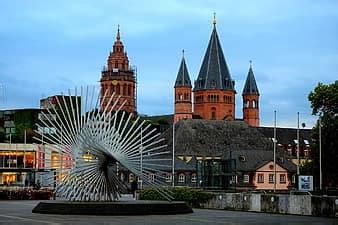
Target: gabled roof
250 86
214 72
289 166
183 79
198 137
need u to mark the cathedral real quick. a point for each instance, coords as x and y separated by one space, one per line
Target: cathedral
214 91
207 134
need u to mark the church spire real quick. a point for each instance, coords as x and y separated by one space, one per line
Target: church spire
250 86
214 72
250 97
183 79
118 32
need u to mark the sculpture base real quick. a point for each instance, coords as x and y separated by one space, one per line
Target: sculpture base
118 208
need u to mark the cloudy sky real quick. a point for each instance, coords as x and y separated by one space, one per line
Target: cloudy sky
50 46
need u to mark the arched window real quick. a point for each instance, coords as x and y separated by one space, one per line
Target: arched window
168 177
180 96
246 103
118 89
131 177
116 64
111 89
193 178
254 104
213 113
129 90
181 178
124 89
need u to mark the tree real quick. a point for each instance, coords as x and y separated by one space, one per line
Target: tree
324 103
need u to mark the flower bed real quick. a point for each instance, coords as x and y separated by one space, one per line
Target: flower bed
25 194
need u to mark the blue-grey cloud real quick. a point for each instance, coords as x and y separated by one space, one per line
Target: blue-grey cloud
48 47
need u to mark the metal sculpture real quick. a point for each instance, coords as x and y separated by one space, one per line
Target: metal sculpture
94 143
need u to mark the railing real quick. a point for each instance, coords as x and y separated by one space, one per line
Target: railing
12 147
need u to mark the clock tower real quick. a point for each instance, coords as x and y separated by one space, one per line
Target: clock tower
119 78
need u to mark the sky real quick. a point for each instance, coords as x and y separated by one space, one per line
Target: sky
48 47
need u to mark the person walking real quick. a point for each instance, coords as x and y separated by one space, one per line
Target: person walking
134 188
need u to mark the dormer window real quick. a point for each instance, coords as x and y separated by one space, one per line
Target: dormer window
242 158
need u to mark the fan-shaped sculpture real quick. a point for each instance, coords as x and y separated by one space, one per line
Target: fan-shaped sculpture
94 142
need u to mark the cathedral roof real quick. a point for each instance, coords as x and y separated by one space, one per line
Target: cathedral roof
250 86
214 72
183 79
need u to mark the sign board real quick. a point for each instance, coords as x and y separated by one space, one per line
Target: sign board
305 183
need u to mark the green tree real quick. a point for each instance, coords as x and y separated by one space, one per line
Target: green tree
324 103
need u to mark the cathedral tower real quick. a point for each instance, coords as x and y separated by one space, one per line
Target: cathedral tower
251 100
214 92
117 77
182 97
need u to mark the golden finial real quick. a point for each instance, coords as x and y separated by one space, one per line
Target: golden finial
214 20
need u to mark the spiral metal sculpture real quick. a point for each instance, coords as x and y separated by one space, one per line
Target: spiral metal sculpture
94 143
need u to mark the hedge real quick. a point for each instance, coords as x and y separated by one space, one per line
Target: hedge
25 194
193 197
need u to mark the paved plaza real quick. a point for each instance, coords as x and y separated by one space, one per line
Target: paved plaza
19 212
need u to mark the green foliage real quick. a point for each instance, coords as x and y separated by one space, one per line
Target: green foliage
162 121
324 102
194 197
324 99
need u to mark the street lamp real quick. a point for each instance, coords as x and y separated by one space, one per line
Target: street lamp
320 153
141 160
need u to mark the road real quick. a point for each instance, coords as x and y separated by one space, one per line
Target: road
20 212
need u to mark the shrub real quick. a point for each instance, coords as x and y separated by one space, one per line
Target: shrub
25 194
193 197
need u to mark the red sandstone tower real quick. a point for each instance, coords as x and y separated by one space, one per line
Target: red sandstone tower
117 77
182 87
214 92
251 100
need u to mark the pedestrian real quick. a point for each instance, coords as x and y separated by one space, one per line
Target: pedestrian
134 188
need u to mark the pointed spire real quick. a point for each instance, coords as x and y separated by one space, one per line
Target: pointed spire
214 20
183 79
118 32
250 86
214 72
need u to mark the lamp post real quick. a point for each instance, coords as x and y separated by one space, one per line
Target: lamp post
320 153
298 160
141 160
173 160
274 152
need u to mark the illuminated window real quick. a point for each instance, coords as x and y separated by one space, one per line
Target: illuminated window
151 177
131 177
181 178
168 177
246 178
193 178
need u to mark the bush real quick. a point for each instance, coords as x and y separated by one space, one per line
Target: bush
193 197
25 194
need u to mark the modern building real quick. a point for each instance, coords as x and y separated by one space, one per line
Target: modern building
119 78
17 125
